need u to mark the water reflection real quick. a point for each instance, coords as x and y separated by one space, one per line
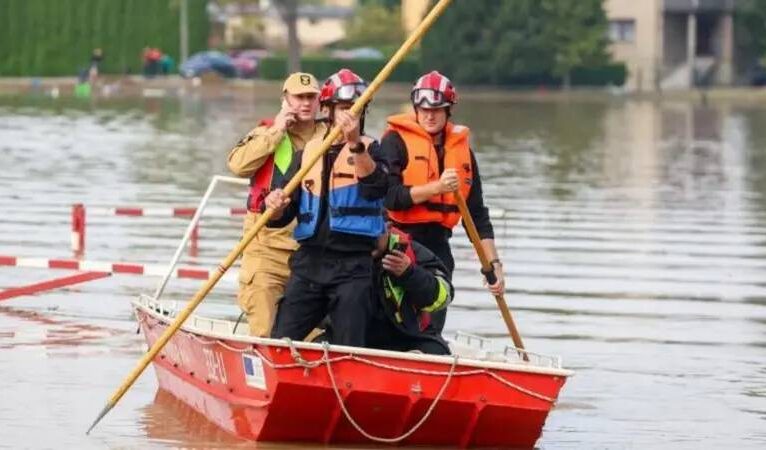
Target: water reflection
634 236
169 420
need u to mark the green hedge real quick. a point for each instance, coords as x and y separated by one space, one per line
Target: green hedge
56 37
612 74
275 68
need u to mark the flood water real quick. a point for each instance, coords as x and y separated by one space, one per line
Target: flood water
633 234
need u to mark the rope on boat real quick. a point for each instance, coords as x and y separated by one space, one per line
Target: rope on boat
362 431
301 362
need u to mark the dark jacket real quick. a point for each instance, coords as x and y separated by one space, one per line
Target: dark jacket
406 325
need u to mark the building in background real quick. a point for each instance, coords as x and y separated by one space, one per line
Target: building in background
259 25
673 44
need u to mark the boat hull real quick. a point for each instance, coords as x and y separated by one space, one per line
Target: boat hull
265 390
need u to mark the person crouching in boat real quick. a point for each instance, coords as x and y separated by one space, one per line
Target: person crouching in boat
264 155
339 211
410 284
429 158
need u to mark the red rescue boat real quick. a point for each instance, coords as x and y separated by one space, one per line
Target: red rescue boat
277 390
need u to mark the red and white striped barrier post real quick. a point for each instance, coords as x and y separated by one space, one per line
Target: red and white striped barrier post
120 268
78 220
78 228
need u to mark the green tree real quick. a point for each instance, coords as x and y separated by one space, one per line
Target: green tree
576 33
517 41
750 28
375 25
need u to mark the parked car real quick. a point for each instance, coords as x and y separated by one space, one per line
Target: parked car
358 53
209 61
246 61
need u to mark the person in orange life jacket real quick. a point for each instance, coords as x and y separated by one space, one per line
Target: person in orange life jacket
264 155
429 158
339 210
411 283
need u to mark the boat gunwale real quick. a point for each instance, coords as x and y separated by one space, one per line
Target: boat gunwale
188 326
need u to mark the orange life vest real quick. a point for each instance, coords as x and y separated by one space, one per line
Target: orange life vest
348 211
423 167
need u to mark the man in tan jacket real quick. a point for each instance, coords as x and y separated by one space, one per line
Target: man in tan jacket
264 155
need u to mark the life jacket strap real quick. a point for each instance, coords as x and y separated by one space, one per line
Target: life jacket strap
441 207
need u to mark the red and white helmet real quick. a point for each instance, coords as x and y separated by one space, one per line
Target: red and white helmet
342 86
433 90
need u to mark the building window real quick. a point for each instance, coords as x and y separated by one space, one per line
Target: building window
622 30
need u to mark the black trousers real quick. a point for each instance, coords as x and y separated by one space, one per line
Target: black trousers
386 336
336 285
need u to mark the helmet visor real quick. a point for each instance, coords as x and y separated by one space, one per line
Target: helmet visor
429 98
349 92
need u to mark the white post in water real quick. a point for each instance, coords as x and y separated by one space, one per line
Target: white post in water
184 47
192 225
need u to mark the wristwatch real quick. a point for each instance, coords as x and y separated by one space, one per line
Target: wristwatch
358 148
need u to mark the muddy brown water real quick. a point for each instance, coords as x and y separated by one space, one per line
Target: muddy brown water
634 237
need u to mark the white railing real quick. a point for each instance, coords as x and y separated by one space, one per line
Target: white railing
192 225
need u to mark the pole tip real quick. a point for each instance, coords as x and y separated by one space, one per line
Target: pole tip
101 415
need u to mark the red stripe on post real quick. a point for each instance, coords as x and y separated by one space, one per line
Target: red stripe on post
129 212
128 268
184 212
78 228
198 274
63 264
238 211
7 260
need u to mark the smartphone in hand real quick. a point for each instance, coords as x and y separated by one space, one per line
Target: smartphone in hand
291 112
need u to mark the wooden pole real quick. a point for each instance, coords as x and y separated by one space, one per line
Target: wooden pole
488 270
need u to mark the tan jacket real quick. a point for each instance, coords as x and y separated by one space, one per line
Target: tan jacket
247 157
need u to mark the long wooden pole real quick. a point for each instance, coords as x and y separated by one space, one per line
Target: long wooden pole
488 270
384 73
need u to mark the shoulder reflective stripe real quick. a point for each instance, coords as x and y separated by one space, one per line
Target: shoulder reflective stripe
442 297
283 155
